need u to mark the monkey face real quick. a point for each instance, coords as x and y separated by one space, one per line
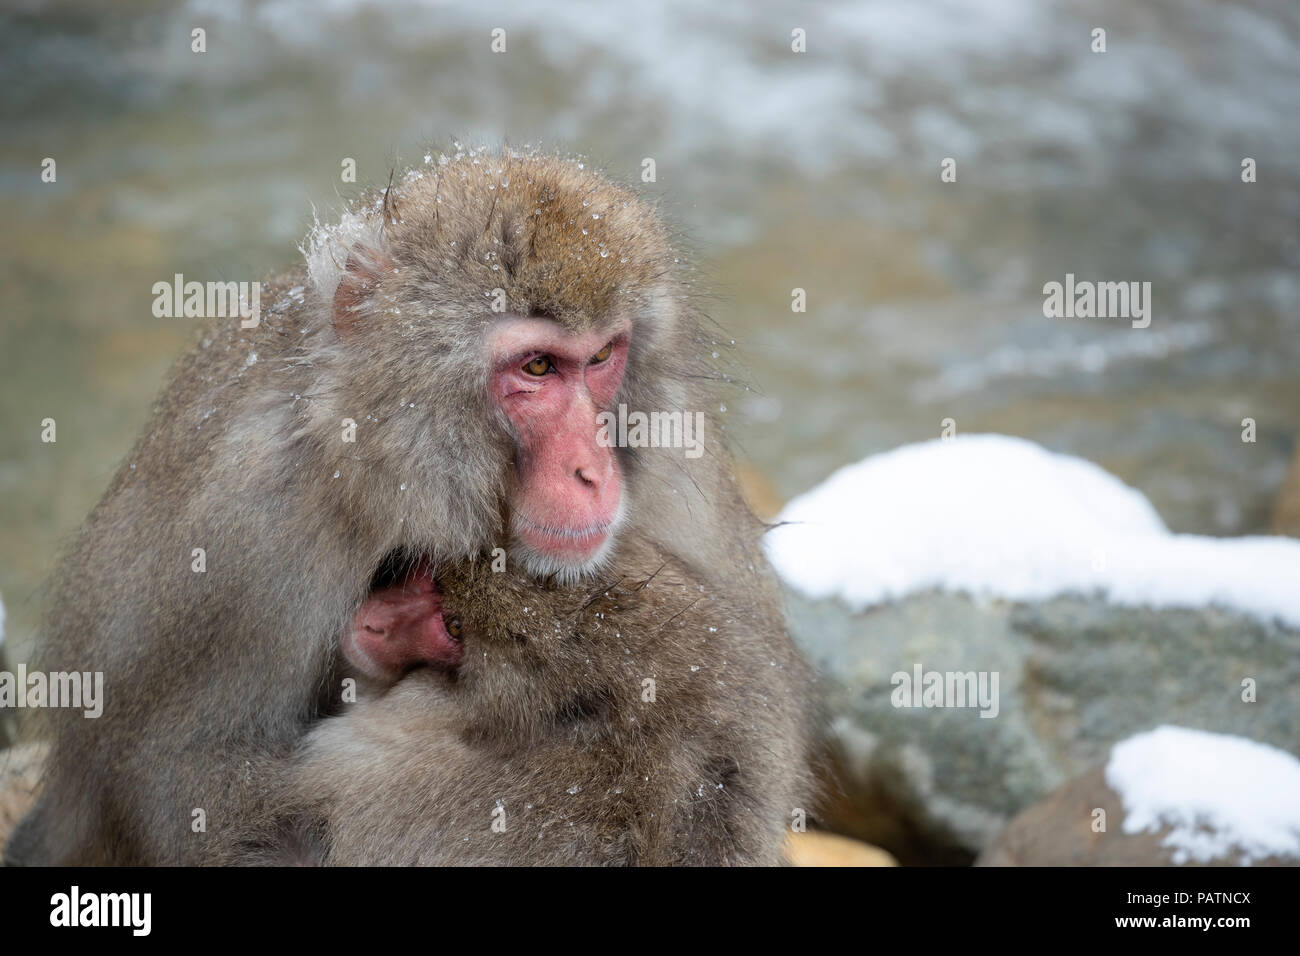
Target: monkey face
402 625
550 386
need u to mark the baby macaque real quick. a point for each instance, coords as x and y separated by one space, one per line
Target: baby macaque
645 720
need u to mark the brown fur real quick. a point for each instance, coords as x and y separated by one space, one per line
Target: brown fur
208 674
547 722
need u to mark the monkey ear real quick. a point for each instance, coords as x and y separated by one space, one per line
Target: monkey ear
359 281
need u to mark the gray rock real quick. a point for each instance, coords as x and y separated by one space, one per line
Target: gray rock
1075 675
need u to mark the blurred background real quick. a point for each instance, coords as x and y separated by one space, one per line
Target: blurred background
817 170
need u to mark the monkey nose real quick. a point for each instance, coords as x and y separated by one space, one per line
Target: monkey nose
593 476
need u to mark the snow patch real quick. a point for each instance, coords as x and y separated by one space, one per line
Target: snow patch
1001 517
1221 795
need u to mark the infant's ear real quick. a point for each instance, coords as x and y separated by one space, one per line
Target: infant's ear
357 286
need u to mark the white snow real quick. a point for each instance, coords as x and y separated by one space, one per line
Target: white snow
328 244
1223 796
1001 517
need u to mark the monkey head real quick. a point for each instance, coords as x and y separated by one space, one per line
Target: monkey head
402 624
484 312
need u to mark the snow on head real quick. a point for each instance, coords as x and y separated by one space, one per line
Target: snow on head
1002 517
328 246
1222 796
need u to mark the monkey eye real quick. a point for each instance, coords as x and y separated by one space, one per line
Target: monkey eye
539 366
603 354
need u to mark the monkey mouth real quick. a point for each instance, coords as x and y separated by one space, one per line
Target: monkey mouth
561 543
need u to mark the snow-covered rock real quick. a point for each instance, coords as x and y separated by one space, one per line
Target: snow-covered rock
1002 517
1166 796
1217 795
1057 590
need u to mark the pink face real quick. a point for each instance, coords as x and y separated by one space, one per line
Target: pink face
551 386
401 626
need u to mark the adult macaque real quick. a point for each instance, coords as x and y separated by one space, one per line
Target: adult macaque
426 386
646 720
